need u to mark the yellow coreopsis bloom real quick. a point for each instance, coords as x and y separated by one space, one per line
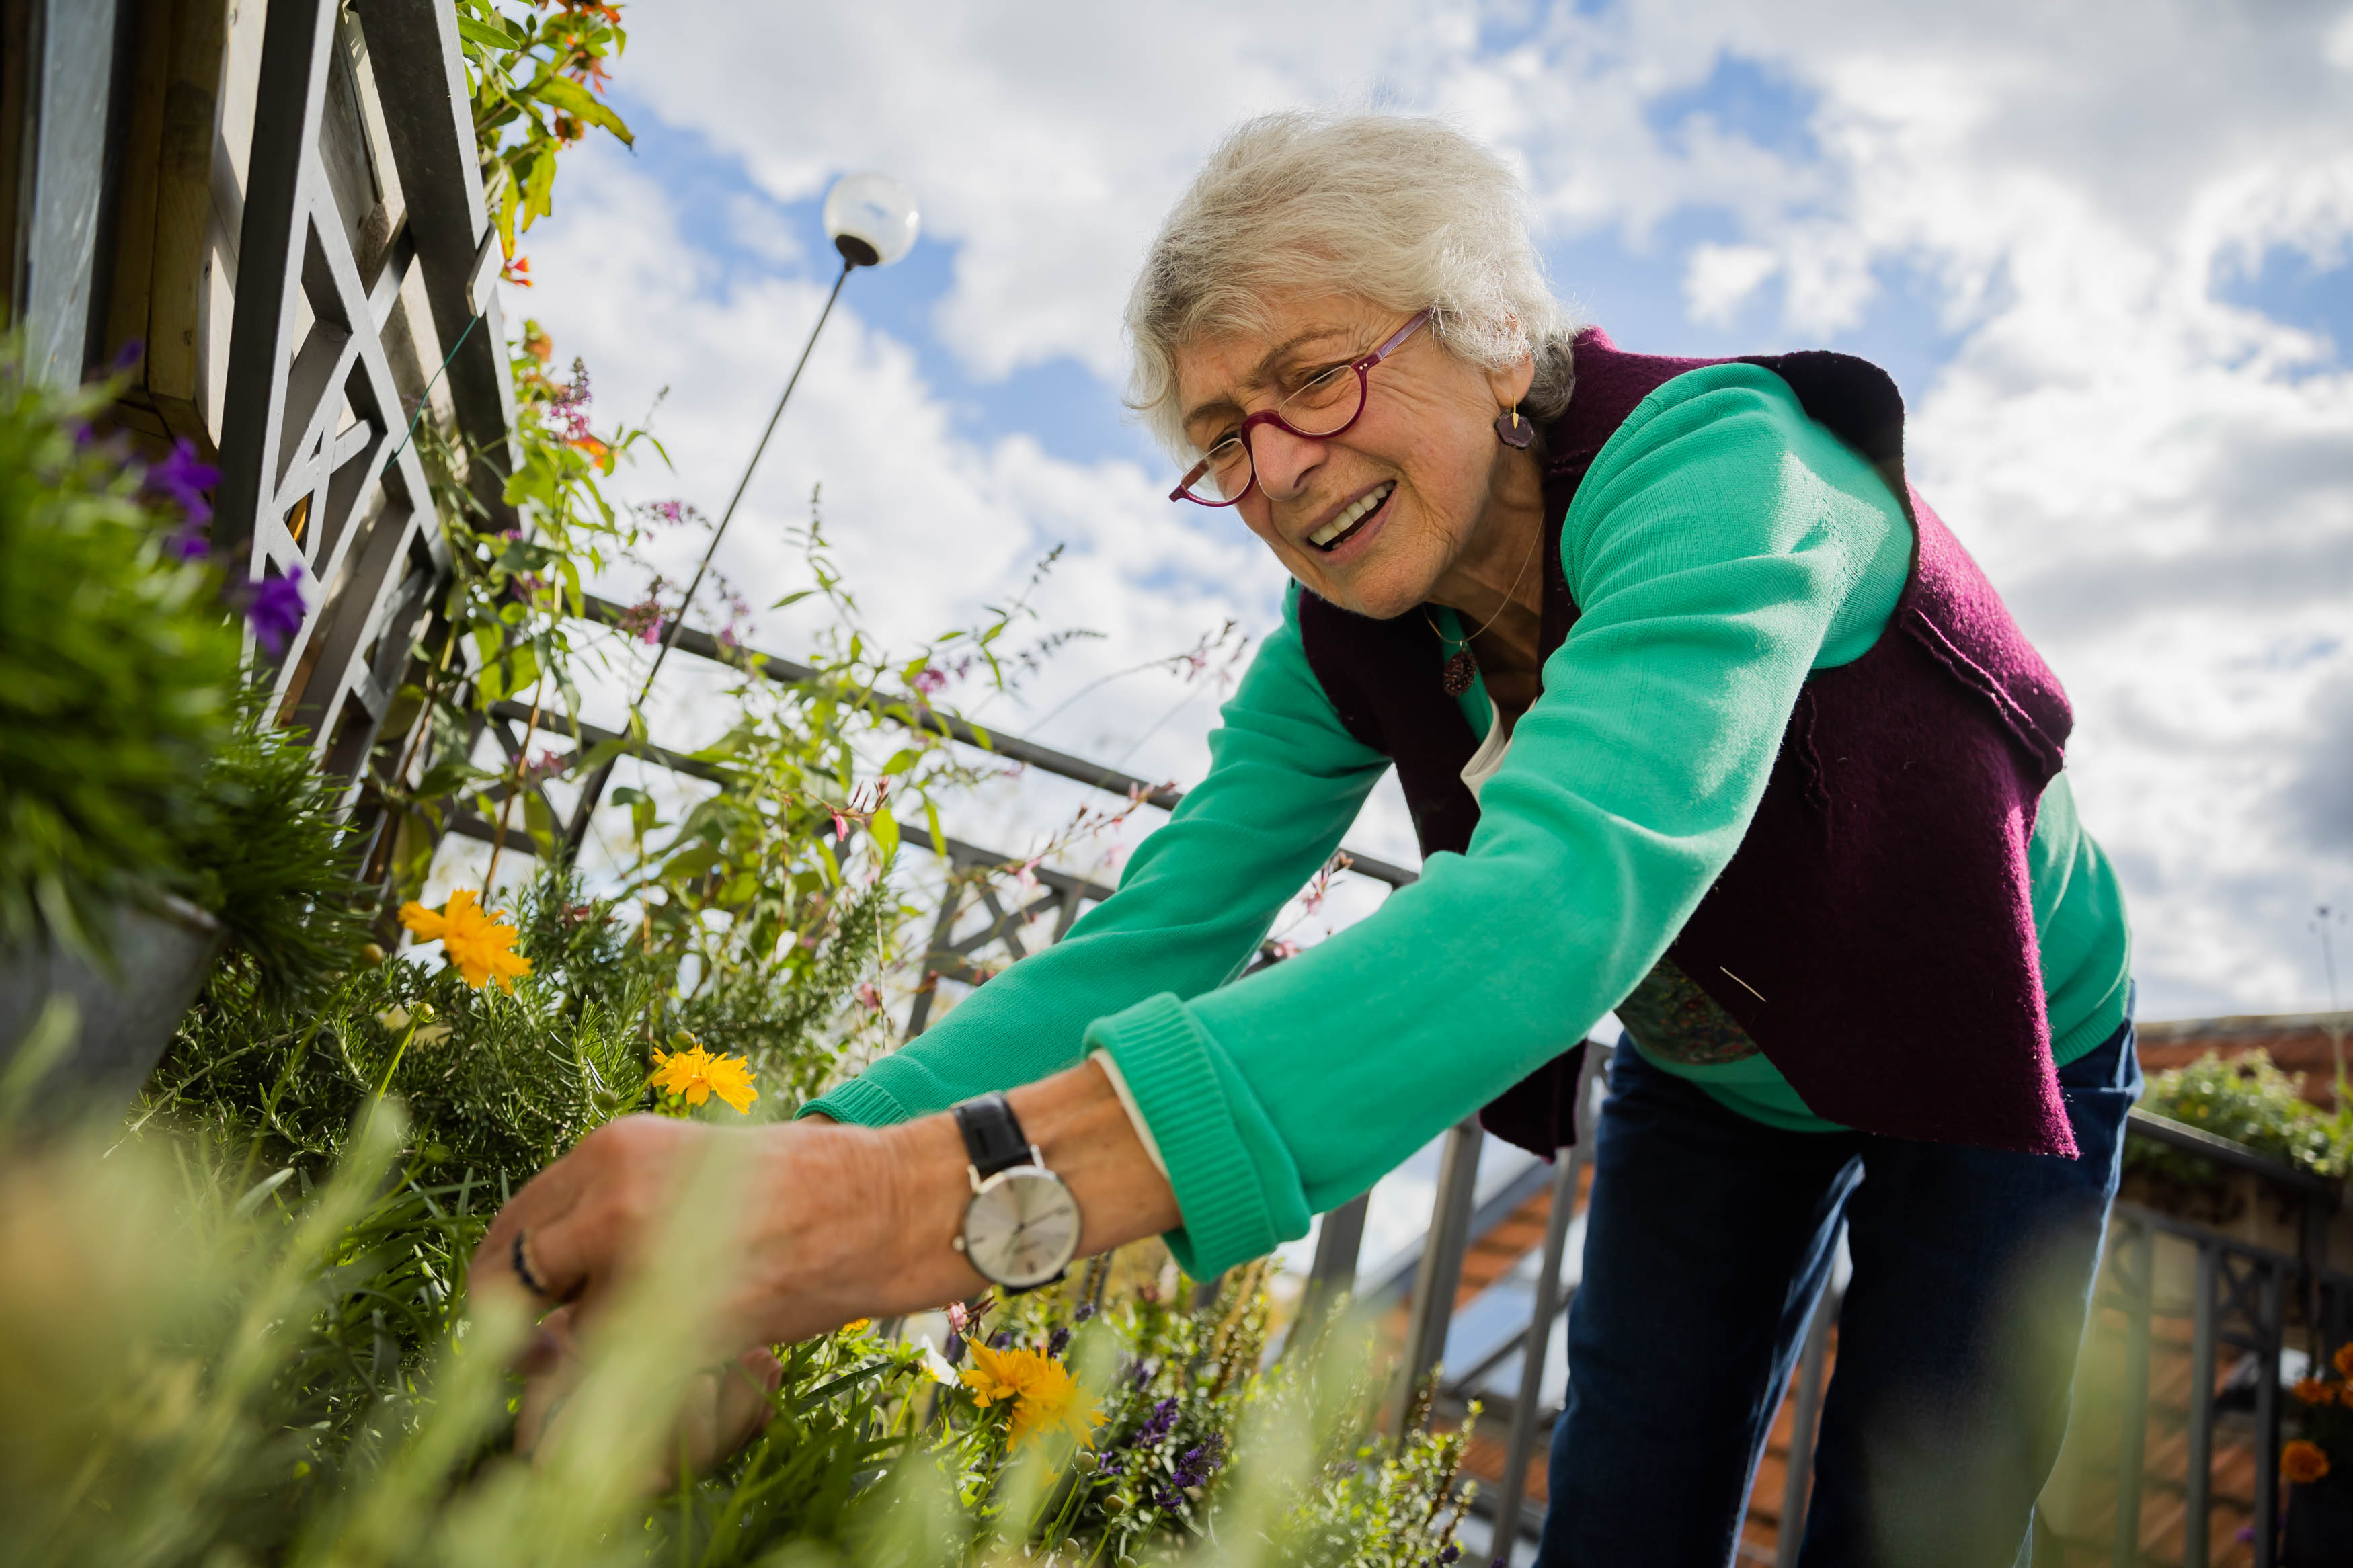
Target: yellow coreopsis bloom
1045 1396
698 1075
481 948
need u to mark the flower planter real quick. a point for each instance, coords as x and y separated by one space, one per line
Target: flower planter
2318 1529
165 951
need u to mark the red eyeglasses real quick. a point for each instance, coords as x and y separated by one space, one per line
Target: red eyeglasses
1317 411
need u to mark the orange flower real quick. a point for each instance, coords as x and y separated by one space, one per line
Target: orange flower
2344 1360
2304 1462
698 1075
2314 1390
481 948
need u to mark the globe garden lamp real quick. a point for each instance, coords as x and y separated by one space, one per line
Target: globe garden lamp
871 220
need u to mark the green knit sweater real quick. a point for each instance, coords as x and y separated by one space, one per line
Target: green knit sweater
1722 546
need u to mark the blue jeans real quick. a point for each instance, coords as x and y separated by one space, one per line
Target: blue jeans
1710 1238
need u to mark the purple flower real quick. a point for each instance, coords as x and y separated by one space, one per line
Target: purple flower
274 609
1200 1462
188 542
953 1353
1156 1425
1058 1341
929 680
184 479
1086 1310
1001 1340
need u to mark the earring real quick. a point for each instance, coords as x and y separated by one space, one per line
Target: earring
1513 431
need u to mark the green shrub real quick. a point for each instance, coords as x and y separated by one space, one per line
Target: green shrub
118 665
2250 1100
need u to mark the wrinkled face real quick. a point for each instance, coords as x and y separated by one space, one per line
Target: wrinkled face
1368 519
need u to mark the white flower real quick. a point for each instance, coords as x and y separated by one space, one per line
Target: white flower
937 1365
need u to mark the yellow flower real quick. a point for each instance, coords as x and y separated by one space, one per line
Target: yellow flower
998 1374
1046 1398
2304 1462
857 1325
481 948
2313 1391
698 1075
2344 1360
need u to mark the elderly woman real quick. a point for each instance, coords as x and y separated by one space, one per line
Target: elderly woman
1703 717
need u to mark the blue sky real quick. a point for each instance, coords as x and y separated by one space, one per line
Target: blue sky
2120 316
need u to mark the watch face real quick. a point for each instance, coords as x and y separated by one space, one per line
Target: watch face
1022 1228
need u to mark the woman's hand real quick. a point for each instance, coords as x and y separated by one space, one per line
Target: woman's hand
828 1224
811 1208
724 1407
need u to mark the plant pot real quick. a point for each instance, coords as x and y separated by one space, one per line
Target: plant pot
2318 1531
164 948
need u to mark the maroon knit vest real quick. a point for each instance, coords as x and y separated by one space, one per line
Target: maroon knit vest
1877 913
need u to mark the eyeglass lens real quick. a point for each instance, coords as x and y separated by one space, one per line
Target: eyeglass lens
1322 407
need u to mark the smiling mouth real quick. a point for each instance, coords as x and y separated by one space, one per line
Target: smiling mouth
1335 533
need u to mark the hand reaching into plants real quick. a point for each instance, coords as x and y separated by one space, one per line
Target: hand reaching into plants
725 1405
818 1224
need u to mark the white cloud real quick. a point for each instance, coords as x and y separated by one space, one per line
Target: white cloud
1718 280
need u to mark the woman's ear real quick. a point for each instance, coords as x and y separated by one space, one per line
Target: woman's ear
1511 383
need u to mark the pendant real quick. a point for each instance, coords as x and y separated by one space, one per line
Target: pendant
1459 672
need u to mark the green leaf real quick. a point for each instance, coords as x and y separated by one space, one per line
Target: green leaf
901 761
793 598
885 828
689 862
578 102
539 821
489 36
931 821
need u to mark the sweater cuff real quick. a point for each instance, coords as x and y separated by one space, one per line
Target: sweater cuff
861 1102
1168 1064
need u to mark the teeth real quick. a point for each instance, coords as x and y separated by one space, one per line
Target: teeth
1350 516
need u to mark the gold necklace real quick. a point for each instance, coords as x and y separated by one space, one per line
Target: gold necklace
1464 664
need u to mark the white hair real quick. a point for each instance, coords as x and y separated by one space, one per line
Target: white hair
1405 213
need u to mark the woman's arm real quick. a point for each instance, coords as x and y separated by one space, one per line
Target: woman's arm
1285 780
1711 549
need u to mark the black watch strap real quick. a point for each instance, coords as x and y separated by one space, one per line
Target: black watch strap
992 1134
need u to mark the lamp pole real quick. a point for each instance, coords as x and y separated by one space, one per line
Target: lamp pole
873 223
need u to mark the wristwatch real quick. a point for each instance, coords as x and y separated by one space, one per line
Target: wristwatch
1021 1226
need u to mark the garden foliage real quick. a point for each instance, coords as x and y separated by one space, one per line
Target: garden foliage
238 1322
2249 1100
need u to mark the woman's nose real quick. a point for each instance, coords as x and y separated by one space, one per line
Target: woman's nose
1283 461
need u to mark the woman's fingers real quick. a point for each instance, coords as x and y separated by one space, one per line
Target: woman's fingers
571 1225
552 1364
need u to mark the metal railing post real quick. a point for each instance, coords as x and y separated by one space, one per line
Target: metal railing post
2270 1333
1802 1423
2131 1446
1339 1242
1442 1261
2197 1501
1536 1344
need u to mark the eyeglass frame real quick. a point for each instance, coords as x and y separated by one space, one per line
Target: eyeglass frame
1363 367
